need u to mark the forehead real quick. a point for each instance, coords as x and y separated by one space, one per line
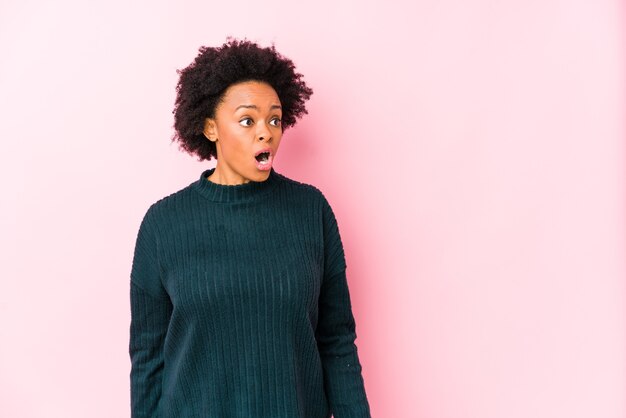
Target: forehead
250 92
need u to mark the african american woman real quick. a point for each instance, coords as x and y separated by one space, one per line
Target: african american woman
239 299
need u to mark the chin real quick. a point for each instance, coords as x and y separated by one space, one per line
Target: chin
259 176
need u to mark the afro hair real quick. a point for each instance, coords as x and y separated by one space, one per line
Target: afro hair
202 84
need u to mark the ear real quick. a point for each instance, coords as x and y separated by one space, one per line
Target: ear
210 129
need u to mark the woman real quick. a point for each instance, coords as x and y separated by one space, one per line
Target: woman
239 299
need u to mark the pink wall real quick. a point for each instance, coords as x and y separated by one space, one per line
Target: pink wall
473 152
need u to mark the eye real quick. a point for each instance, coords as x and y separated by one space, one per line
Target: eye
276 121
242 122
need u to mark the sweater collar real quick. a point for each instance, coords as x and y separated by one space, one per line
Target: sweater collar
234 192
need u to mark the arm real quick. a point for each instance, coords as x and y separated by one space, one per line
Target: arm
336 331
151 309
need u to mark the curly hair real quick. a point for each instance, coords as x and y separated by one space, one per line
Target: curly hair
202 85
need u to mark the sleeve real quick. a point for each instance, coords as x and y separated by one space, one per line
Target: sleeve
151 309
336 330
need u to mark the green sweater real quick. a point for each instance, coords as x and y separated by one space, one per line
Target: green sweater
240 306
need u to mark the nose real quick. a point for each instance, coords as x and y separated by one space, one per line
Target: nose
263 132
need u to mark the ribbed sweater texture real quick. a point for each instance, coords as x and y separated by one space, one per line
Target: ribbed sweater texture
240 306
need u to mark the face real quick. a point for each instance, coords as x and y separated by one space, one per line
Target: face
247 120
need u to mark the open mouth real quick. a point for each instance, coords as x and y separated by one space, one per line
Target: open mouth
263 157
264 160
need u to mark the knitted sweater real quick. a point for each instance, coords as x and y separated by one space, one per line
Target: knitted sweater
240 306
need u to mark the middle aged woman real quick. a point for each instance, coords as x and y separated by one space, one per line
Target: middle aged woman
239 297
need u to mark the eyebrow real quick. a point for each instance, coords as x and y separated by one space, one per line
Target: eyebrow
256 107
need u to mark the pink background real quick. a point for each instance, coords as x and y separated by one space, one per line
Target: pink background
473 152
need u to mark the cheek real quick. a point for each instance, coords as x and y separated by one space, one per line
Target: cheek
236 149
240 145
233 138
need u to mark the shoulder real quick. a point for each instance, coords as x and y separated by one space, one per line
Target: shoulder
313 199
301 189
169 205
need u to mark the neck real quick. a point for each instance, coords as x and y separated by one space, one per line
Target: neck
228 193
